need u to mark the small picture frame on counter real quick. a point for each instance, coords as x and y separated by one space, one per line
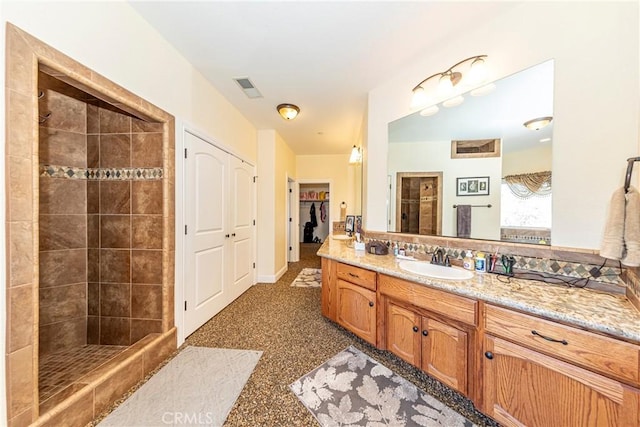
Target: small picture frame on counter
350 224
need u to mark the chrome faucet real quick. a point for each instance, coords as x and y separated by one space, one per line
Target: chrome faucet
439 257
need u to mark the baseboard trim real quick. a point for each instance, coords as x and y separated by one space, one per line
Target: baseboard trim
272 278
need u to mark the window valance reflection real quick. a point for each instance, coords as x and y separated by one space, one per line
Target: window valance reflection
528 185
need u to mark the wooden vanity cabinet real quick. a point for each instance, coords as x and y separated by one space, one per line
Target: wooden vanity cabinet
541 373
420 332
432 345
349 298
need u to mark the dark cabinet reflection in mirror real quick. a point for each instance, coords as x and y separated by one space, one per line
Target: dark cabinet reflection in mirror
426 155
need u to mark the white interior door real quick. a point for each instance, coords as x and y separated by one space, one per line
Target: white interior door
241 215
206 291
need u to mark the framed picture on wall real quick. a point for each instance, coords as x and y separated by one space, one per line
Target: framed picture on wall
472 186
349 224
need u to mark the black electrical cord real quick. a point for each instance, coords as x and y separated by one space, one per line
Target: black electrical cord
574 282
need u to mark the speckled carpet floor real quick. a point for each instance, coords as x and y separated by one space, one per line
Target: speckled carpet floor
285 323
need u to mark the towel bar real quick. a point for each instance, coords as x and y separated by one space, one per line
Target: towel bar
475 206
627 179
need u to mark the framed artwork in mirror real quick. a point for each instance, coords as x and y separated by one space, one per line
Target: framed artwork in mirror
475 148
472 186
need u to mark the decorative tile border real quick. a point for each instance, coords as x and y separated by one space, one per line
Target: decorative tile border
102 174
608 275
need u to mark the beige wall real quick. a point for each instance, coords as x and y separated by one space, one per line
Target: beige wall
285 169
595 116
535 159
276 164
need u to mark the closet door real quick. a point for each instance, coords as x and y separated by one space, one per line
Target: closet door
207 240
241 225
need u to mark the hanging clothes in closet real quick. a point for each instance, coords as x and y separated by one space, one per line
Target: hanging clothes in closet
312 214
323 212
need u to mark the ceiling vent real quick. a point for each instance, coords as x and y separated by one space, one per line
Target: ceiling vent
247 87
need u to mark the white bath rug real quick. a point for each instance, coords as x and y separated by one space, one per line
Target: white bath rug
198 387
309 278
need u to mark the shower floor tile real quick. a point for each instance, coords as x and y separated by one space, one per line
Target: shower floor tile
59 370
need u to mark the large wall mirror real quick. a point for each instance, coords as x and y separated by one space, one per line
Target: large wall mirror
473 169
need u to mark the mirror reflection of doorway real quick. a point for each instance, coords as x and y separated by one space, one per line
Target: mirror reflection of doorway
419 203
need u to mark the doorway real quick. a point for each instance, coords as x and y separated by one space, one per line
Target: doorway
419 203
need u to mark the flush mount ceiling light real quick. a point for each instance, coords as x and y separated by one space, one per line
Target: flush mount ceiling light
288 111
448 79
356 155
537 124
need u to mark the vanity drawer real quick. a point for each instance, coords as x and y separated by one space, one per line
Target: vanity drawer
447 304
358 276
608 356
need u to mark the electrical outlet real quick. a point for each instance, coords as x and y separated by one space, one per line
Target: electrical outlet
595 272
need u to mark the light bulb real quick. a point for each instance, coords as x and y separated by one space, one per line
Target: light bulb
445 86
477 72
419 98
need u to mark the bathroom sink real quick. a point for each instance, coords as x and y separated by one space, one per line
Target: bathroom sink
436 271
340 237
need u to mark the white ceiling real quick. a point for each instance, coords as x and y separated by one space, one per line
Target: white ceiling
322 56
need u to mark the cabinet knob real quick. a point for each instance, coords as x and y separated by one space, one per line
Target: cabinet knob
370 303
488 355
415 329
425 332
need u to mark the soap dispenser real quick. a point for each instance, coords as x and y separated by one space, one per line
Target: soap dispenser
467 261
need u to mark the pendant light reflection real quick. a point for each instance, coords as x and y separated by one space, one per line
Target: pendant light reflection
453 102
356 155
429 111
537 124
288 111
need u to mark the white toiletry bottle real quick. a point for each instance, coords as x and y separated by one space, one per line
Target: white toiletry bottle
481 263
467 262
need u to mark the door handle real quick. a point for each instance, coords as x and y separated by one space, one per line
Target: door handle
233 234
226 235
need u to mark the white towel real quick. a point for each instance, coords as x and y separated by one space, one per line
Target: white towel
631 255
622 230
613 242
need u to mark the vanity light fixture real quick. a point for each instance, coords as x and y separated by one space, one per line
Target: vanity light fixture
537 124
449 78
288 111
356 155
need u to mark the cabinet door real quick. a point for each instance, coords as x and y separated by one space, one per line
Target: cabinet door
403 333
523 387
356 310
444 353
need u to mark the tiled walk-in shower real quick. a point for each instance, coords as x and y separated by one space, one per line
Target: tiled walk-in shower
90 237
100 236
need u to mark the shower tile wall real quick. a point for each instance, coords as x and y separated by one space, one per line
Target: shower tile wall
63 226
100 236
124 230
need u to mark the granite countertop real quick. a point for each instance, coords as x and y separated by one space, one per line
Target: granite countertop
607 313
